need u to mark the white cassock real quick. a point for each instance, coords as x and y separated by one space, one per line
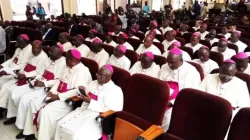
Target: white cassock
247 70
195 48
81 123
182 33
164 30
113 33
203 35
156 40
67 46
196 28
84 50
227 54
152 71
156 30
34 66
122 62
186 76
135 37
112 43
166 44
152 49
128 46
185 55
50 114
52 72
17 62
101 57
207 66
241 46
227 35
213 41
91 40
235 91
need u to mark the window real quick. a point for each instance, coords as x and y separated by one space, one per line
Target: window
157 4
86 6
178 4
50 6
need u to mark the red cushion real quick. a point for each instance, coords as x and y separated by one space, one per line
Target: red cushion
121 78
92 65
199 115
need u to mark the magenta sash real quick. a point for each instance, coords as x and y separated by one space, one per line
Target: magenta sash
175 87
29 68
62 87
15 60
48 75
93 96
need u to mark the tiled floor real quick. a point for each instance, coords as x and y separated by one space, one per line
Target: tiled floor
8 132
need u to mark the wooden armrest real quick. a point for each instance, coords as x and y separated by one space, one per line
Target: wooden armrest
151 133
106 114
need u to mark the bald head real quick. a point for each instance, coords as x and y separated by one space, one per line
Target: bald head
48 26
55 53
63 38
204 54
170 35
36 47
146 61
174 60
148 41
227 72
235 37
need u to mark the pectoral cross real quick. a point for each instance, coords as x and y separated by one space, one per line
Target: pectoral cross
61 85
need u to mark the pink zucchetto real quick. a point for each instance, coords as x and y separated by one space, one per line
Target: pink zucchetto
123 48
59 45
97 40
205 47
150 55
133 30
224 39
229 61
80 36
76 54
25 37
37 41
125 36
196 34
94 31
67 34
154 23
241 55
109 67
176 51
238 33
109 33
176 44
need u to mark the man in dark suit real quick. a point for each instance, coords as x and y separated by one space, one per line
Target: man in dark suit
73 28
50 33
8 29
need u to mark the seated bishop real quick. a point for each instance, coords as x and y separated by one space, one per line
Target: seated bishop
80 46
22 95
97 53
146 66
119 59
242 62
178 74
204 61
46 111
226 85
148 46
34 66
99 96
21 56
64 40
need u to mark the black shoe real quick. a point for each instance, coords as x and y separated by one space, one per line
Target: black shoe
10 121
20 135
30 137
3 111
